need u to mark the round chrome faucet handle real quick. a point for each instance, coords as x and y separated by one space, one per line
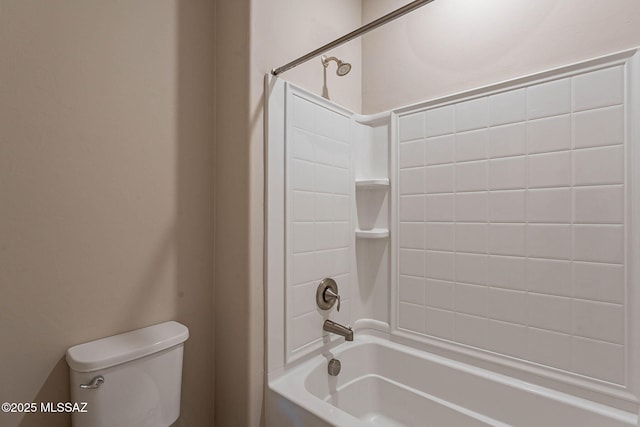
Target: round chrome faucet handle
332 296
95 382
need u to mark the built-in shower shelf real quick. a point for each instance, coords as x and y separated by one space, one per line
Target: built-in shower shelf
375 233
371 184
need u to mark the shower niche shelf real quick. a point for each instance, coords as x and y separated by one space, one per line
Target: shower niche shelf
375 233
372 184
372 205
372 230
372 197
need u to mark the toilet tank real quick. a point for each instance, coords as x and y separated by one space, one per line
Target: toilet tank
131 379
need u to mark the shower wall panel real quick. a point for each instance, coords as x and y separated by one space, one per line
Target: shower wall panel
319 227
512 225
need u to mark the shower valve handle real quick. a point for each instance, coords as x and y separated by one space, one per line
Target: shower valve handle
329 296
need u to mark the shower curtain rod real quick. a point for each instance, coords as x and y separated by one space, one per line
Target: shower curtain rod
410 7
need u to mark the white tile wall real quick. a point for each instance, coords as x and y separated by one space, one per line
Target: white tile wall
319 228
507 239
412 289
470 330
412 316
412 127
549 170
471 268
507 206
549 99
508 107
441 265
411 262
598 205
508 140
599 320
439 150
472 114
598 89
412 208
412 181
594 128
440 121
412 235
471 237
548 276
549 205
507 338
471 299
599 243
470 176
507 173
599 359
471 207
598 282
438 179
550 348
439 207
519 245
549 241
440 323
412 154
507 305
439 294
549 312
471 145
507 272
598 166
550 134
441 236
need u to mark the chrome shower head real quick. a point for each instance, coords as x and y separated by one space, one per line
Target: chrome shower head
343 67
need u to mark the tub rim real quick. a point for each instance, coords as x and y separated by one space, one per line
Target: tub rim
290 382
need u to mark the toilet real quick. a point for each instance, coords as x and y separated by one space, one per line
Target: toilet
131 379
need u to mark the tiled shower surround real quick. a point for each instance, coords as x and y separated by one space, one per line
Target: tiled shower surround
320 230
511 213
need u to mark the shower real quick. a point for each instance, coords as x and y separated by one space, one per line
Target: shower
343 67
342 70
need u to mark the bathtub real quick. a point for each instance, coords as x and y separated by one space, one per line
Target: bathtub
388 384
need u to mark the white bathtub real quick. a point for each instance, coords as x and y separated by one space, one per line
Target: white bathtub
388 384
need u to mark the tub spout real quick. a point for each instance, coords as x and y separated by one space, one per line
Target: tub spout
336 328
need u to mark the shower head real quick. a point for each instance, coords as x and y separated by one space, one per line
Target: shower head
343 67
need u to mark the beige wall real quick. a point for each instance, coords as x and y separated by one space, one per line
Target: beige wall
106 201
234 368
453 45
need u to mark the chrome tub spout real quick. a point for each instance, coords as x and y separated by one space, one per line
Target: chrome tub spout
336 328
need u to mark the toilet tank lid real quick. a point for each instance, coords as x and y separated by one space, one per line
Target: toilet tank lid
117 349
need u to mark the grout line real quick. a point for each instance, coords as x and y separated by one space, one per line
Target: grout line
572 217
525 284
628 180
455 227
425 162
555 187
535 258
